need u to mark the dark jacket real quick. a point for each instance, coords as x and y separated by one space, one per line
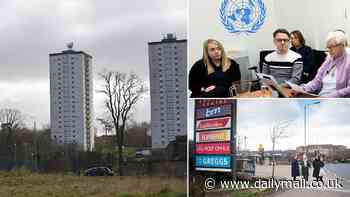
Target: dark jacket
199 78
295 168
317 164
308 62
305 168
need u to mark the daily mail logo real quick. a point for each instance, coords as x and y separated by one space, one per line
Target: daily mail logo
218 123
213 112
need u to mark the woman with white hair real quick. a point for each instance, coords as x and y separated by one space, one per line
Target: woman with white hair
333 77
347 49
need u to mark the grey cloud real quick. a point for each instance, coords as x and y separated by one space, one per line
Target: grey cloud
254 113
331 112
114 32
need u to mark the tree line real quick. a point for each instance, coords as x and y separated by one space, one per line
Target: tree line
21 146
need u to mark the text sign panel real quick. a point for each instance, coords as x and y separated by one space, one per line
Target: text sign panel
214 169
213 112
213 148
213 161
217 123
213 136
211 102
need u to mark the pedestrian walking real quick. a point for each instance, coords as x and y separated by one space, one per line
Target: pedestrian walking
295 168
305 167
316 164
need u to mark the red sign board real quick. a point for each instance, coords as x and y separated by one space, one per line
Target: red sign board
213 148
217 123
213 136
211 102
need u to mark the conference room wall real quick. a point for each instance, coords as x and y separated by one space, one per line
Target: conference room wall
204 23
315 18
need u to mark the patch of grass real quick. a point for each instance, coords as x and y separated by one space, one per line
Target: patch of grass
243 194
165 192
251 193
27 184
19 172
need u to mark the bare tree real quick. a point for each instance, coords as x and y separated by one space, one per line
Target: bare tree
122 92
278 132
11 119
107 124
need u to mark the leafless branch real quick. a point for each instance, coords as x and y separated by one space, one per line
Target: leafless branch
122 92
13 118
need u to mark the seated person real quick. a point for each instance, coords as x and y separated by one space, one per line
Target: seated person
283 64
298 45
347 49
213 75
333 77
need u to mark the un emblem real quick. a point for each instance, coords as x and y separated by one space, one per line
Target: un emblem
242 15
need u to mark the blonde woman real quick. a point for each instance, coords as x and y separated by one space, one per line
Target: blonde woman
212 75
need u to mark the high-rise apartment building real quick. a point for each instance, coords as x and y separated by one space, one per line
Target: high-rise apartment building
168 85
71 99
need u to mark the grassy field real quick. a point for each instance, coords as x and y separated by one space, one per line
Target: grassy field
22 183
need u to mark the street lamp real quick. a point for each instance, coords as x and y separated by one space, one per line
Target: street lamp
305 108
36 138
15 155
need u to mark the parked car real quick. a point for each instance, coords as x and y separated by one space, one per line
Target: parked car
99 171
142 153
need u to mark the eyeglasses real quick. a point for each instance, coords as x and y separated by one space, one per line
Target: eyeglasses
282 40
333 46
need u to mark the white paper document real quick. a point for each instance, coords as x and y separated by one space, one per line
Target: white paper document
298 88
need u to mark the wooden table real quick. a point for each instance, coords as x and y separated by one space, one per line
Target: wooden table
268 94
256 94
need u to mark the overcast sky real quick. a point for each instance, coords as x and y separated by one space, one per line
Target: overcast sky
114 32
328 122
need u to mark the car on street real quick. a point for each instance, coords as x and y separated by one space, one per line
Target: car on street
99 171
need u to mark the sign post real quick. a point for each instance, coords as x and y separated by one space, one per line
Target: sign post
214 136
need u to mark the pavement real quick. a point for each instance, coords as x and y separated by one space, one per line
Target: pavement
284 172
281 171
310 193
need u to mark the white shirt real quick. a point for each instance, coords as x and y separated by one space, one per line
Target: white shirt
290 56
329 82
347 49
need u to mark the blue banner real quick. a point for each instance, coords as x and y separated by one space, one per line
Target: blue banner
213 161
212 112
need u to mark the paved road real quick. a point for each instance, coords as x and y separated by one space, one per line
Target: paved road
311 193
